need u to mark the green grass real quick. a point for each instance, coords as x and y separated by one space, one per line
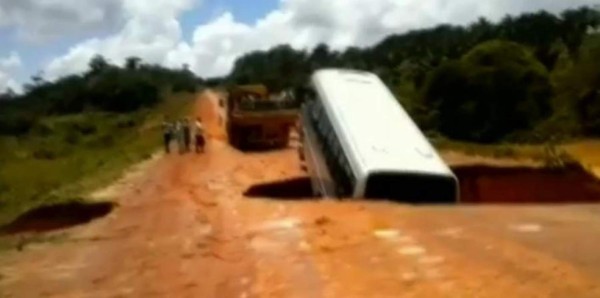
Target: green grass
551 155
66 157
536 152
20 242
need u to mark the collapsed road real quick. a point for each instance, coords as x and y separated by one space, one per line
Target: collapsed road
233 224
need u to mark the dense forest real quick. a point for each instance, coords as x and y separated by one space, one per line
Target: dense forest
104 87
524 79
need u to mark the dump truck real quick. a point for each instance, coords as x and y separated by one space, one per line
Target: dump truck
257 119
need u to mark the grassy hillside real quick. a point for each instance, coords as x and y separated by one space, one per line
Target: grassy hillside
63 157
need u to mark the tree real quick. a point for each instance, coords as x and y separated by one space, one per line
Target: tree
575 24
98 64
38 79
321 56
133 63
279 68
9 94
497 88
540 30
353 57
482 30
578 87
119 91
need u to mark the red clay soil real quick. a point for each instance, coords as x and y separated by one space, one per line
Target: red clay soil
483 184
185 229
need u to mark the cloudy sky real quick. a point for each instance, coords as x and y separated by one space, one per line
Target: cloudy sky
58 37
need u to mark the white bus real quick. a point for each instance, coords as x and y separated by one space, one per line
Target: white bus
358 142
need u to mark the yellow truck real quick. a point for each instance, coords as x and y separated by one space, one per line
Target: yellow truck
257 119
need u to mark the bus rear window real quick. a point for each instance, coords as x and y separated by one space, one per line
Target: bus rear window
412 188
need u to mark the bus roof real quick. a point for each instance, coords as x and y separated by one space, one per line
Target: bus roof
372 125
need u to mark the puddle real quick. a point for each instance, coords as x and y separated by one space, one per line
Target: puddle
55 217
480 184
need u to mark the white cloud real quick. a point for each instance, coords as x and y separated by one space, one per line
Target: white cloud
6 82
43 20
8 67
153 32
12 62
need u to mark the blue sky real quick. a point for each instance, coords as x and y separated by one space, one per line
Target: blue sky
211 9
59 37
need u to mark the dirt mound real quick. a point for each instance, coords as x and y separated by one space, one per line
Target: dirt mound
49 218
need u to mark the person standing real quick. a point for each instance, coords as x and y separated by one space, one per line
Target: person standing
199 139
187 135
179 136
167 135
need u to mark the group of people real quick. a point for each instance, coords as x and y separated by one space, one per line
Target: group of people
184 132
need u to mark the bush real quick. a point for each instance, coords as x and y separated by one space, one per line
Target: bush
45 154
16 123
125 123
119 91
103 141
76 127
497 88
504 151
4 188
72 138
555 158
578 90
52 148
588 109
42 129
561 127
84 128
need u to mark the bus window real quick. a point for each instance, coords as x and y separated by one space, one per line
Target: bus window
316 112
411 187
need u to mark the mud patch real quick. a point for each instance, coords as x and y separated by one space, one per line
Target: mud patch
55 217
290 189
482 184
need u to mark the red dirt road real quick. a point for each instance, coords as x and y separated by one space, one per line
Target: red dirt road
184 228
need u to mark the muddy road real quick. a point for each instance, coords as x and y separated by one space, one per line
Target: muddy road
229 224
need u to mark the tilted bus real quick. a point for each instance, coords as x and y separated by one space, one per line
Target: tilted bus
358 142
